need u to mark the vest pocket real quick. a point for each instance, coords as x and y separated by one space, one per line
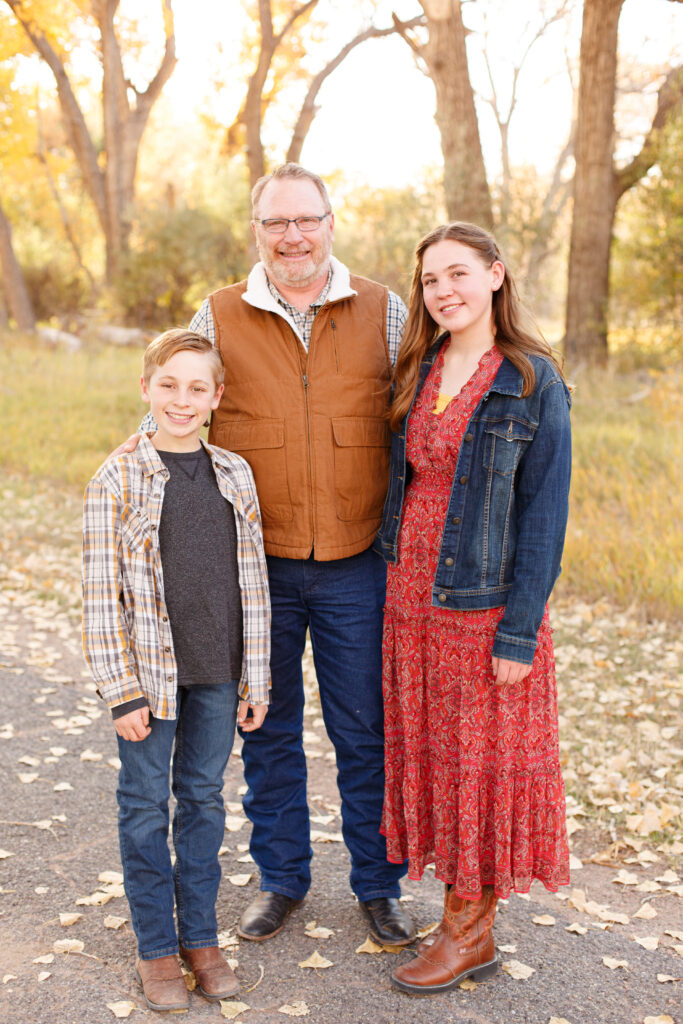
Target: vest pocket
361 466
262 444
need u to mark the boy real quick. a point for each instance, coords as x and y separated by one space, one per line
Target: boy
176 625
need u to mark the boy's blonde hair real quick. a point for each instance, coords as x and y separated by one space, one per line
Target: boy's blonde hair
178 339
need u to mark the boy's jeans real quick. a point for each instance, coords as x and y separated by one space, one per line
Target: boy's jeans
203 734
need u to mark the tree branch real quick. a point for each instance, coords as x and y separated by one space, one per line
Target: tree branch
308 108
669 102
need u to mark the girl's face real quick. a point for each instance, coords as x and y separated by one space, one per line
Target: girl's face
458 288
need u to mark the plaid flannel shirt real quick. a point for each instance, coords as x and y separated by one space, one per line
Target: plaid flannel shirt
127 638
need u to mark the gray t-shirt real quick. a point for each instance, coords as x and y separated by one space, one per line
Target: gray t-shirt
198 545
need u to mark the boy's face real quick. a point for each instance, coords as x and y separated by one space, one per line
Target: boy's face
181 394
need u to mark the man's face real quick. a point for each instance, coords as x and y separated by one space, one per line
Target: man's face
295 259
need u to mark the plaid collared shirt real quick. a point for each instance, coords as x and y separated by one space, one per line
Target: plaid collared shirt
302 319
127 638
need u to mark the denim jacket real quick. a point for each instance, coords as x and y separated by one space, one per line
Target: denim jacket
504 531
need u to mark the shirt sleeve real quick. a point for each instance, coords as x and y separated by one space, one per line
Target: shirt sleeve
106 638
202 322
397 314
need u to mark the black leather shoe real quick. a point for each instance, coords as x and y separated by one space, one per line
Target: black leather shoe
266 916
389 923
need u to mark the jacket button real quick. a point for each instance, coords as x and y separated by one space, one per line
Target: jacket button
456 520
463 479
469 437
442 598
449 561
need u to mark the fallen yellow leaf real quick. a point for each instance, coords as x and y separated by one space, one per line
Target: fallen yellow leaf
576 928
66 920
646 913
517 970
545 920
369 947
122 1009
468 985
231 1009
68 946
296 1009
114 922
663 1018
316 960
647 942
239 879
613 964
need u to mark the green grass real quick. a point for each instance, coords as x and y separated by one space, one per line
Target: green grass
63 413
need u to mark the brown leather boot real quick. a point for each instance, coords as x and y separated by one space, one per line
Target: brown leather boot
162 983
463 948
430 939
215 977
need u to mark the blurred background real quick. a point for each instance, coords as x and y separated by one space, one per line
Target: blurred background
131 132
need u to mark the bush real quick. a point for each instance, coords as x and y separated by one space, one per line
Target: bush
176 257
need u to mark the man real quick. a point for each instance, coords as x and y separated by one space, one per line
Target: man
308 350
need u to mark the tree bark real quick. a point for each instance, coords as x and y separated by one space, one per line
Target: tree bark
111 187
598 184
445 57
16 294
594 191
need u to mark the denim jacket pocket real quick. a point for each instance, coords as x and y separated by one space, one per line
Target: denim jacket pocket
505 441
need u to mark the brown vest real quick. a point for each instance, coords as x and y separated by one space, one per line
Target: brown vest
312 428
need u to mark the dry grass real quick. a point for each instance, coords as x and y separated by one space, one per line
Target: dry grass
63 413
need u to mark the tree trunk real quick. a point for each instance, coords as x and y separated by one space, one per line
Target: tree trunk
595 195
445 54
13 280
111 187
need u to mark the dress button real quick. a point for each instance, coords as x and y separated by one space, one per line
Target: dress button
169 679
442 598
167 649
449 561
164 618
469 437
456 520
463 479
153 526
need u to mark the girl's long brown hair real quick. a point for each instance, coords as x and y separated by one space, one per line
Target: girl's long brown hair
515 332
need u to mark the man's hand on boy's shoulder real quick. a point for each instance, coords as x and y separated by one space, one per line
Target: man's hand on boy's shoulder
128 446
255 721
134 726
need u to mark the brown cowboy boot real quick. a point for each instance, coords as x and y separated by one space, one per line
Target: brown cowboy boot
430 939
463 948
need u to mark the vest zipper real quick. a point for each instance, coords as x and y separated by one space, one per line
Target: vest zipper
310 460
334 344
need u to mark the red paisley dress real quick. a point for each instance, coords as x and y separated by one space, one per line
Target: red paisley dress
473 781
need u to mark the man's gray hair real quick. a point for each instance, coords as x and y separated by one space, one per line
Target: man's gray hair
288 171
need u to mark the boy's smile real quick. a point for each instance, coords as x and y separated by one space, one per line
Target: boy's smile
181 395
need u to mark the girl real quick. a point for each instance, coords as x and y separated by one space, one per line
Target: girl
473 530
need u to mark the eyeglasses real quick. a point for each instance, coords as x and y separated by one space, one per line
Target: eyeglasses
278 225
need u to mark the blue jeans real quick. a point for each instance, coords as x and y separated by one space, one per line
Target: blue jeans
341 604
203 734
